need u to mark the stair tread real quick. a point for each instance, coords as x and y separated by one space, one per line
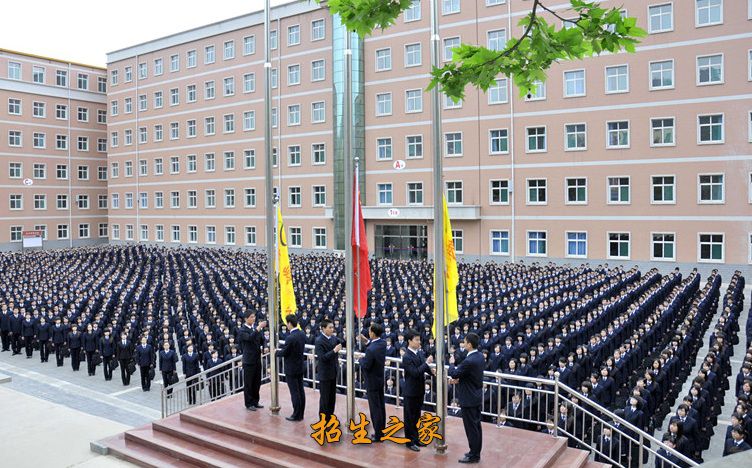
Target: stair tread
574 458
142 455
221 441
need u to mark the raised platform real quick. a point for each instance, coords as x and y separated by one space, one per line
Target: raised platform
225 434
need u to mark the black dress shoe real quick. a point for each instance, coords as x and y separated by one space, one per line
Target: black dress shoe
290 418
258 406
412 447
374 439
250 408
469 460
421 444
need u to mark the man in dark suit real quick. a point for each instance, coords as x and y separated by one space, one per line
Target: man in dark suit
372 367
292 352
327 356
191 367
107 348
415 368
468 377
168 359
144 361
251 338
124 354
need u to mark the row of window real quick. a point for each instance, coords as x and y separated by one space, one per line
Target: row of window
16 201
318 33
710 246
39 141
63 231
227 125
294 238
228 84
710 130
228 161
229 197
710 189
39 76
39 171
39 110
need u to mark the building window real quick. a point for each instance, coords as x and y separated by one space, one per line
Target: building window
83 81
712 189
39 109
209 127
158 166
414 146
61 78
617 79
293 35
249 121
413 100
249 82
711 248
175 233
618 134
450 6
229 123
229 50
318 70
14 106
229 235
497 39
574 83
210 198
174 199
708 12
383 149
250 197
618 245
318 30
62 201
662 131
318 151
576 137
62 231
293 115
174 164
385 194
537 243
61 112
228 88
454 192
250 235
14 71
412 55
499 242
499 141
415 193
209 162
83 231
538 92
249 45
158 200
319 238
383 59
83 172
158 99
661 18
577 244
40 202
39 140
209 90
191 164
293 75
229 160
710 69
710 128
190 59
158 67
499 192
61 142
318 112
458 240
663 189
536 192
453 144
14 138
384 104
576 191
663 246
40 171
618 190
319 195
452 103
412 13
37 74
296 237
498 92
15 169
273 39
450 43
293 155
536 139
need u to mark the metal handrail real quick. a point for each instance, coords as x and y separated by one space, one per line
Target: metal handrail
177 397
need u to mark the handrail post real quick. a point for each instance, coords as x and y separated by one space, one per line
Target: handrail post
556 405
642 447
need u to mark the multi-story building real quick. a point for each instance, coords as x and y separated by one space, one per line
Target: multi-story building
626 157
53 151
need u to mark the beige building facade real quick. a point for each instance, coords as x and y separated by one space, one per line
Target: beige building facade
642 157
53 151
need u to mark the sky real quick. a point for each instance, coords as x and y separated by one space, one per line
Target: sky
85 30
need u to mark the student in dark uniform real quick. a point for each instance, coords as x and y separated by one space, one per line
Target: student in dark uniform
107 350
5 315
736 443
251 338
90 347
327 356
191 367
167 364
75 341
16 325
372 367
216 382
59 335
415 368
124 355
468 377
44 332
294 362
27 331
144 361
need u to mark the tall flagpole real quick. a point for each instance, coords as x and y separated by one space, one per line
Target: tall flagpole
356 213
270 215
350 313
438 235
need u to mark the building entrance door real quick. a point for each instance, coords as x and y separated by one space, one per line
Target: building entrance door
401 241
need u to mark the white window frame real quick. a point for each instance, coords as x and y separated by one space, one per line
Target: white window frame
618 91
608 190
407 53
584 83
577 241
608 134
567 201
537 188
461 153
545 139
491 190
491 138
629 245
723 247
652 242
673 132
697 17
566 137
650 19
722 201
723 129
653 201
501 252
527 243
721 81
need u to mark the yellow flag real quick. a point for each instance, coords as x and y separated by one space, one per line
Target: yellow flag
286 292
452 278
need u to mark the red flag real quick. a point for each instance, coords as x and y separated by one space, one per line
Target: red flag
362 268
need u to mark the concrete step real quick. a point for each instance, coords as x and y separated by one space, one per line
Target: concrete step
572 458
141 455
